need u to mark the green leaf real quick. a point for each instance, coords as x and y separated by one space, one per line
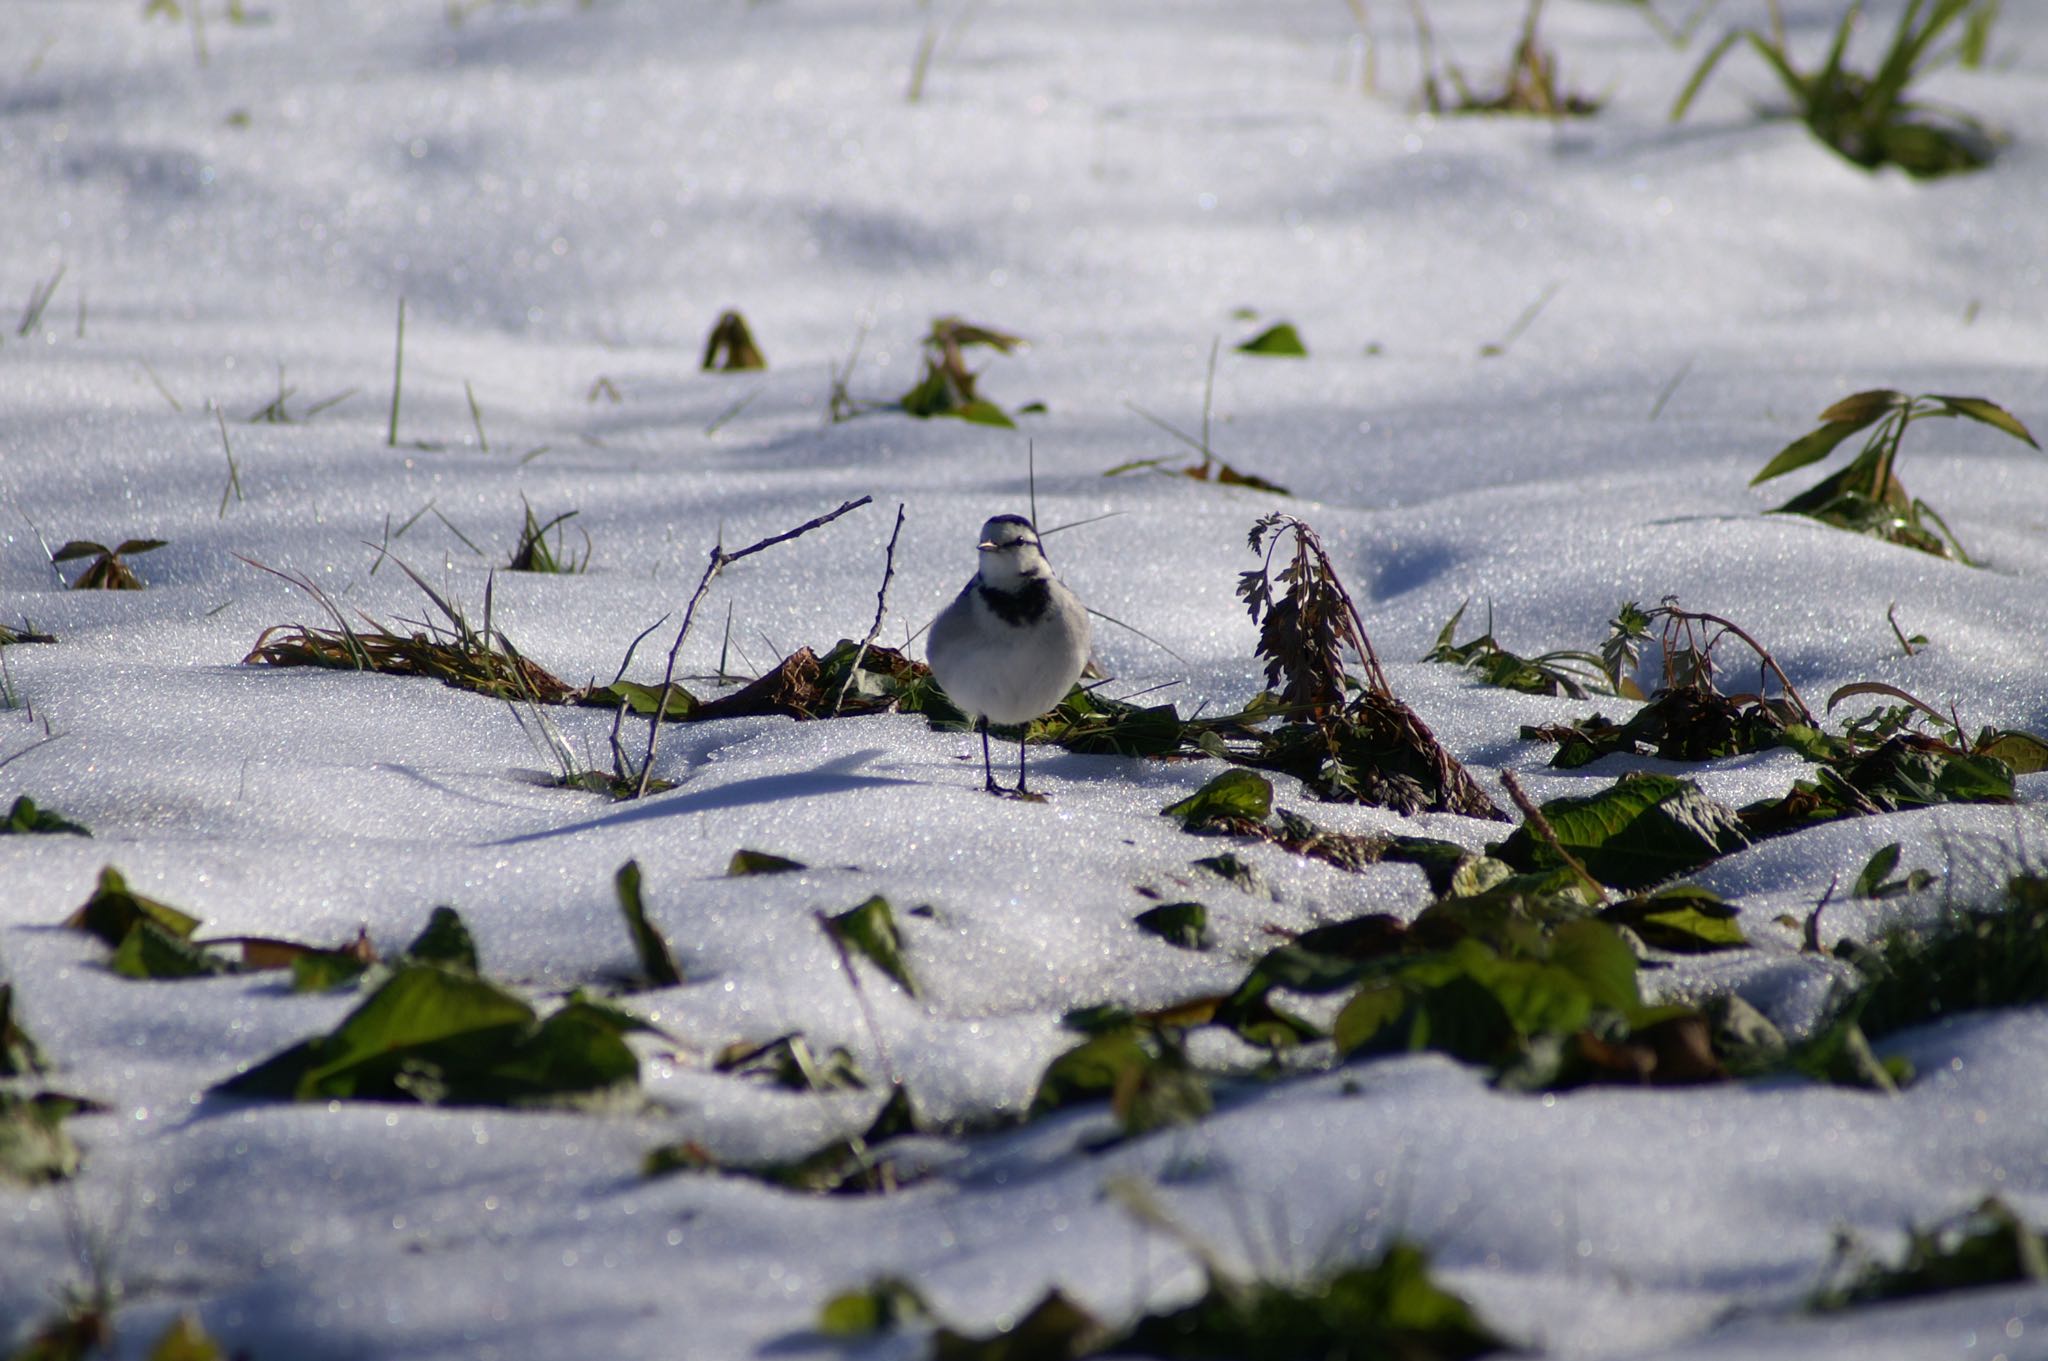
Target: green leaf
1682 919
1642 829
745 862
981 411
33 1145
642 699
446 942
1595 954
657 964
1861 408
148 951
1368 1015
870 929
325 970
1876 871
19 1055
113 910
1280 340
2025 753
1242 794
1054 1330
1991 414
880 1307
185 1340
1182 924
1091 1070
1809 448
440 1036
25 817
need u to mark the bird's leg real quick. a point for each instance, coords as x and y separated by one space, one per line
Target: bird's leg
988 773
1020 765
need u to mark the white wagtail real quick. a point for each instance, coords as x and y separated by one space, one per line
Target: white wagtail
1014 640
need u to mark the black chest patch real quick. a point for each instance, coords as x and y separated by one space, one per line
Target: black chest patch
1025 605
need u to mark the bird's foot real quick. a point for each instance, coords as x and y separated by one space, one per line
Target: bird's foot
1020 794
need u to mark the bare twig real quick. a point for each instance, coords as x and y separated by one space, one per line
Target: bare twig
397 374
719 560
1539 827
881 607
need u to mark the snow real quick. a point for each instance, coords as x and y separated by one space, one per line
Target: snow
569 193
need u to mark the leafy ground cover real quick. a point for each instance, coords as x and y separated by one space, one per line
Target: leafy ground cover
1650 969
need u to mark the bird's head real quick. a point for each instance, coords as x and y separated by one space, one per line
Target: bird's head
1010 552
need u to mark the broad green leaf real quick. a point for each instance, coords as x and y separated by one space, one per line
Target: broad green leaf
25 817
643 699
1054 1330
981 412
1091 1070
657 963
1682 919
1595 954
33 1145
746 862
1233 794
322 970
1538 998
421 1005
1991 414
130 547
2025 753
1878 869
114 909
149 951
75 549
1809 448
870 928
1642 829
1280 341
1183 924
186 1340
445 941
19 1056
1862 408
880 1307
1367 1016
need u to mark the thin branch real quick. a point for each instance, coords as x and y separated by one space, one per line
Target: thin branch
1539 827
881 607
719 560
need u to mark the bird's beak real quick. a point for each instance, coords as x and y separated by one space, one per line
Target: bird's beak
986 546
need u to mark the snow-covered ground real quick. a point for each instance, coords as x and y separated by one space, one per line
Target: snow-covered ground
566 196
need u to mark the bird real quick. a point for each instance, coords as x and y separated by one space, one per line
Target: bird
1013 642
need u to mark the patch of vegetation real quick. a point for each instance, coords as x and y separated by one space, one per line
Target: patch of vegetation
1211 467
438 1035
788 1061
1968 959
1529 86
730 347
846 1165
1687 718
1871 120
1866 497
1184 925
34 1146
1349 739
658 967
1389 1308
1278 341
745 862
1138 1064
1988 1246
108 569
25 634
869 930
947 387
535 554
454 652
1558 672
1643 829
25 818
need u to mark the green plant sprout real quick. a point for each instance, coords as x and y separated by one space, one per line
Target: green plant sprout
1866 496
1868 119
1528 87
